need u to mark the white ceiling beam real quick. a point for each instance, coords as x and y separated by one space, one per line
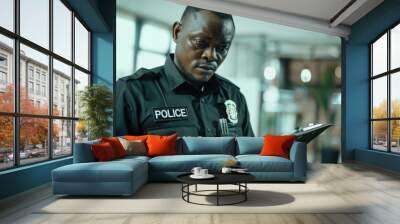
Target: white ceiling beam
269 15
347 12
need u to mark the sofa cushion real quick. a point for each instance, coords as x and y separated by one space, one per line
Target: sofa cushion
131 158
257 163
134 147
135 137
111 171
185 163
207 145
103 152
161 145
277 145
116 145
249 145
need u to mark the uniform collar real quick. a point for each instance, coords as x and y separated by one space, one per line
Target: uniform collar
176 79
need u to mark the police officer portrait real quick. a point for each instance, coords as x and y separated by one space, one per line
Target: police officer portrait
185 95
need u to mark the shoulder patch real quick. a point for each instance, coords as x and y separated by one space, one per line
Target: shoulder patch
226 82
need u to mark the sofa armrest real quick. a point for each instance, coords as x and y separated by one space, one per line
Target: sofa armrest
298 155
83 152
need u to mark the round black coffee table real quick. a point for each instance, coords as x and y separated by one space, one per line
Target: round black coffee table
238 179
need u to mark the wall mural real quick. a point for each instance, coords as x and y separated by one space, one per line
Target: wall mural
197 72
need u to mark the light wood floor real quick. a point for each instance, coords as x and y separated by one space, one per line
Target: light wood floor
379 189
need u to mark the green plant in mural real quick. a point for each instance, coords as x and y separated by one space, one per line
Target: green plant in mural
96 103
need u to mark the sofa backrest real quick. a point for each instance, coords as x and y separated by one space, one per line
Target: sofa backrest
249 145
83 152
206 145
190 146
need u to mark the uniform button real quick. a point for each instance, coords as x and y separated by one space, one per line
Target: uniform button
208 129
202 100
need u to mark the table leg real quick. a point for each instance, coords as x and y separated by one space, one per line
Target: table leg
245 191
217 194
188 189
196 187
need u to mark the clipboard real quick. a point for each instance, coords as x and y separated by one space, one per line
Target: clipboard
309 134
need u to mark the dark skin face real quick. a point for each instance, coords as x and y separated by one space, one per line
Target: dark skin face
202 44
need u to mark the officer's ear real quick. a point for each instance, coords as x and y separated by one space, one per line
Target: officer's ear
176 29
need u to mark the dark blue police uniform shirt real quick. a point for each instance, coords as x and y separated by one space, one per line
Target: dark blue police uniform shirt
160 101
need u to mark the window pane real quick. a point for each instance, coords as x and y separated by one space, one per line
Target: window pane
395 136
7 14
379 55
35 21
149 60
6 74
62 89
81 45
81 81
6 142
34 72
81 131
154 38
395 47
62 29
379 135
395 95
126 28
33 139
379 97
62 138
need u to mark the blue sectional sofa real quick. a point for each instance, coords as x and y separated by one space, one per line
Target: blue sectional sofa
125 176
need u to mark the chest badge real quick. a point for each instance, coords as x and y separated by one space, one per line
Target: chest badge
231 111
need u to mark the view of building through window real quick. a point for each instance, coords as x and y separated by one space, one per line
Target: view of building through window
32 112
385 96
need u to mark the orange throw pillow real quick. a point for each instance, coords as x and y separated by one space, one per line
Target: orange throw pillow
161 145
103 152
134 137
116 145
277 145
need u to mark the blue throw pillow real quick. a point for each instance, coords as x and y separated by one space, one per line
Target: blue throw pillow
249 145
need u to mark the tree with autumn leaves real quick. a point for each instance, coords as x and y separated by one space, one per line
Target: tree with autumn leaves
380 127
33 131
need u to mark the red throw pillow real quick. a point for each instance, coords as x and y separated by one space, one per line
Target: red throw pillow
103 151
161 145
116 145
277 145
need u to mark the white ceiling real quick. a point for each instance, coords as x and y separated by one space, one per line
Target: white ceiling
292 24
313 15
321 9
244 26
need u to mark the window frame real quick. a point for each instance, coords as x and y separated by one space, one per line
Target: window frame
16 115
388 74
140 22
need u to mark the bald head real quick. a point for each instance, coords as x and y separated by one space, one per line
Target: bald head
203 39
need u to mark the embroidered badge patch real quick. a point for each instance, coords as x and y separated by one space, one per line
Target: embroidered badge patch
170 113
231 111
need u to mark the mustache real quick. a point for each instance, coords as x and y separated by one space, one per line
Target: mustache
212 65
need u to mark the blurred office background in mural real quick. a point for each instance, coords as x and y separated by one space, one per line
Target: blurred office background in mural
289 80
